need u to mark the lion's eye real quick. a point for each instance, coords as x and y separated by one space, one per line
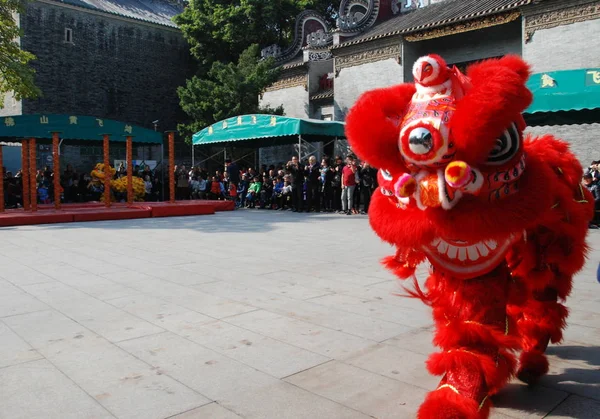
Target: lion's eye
386 175
507 146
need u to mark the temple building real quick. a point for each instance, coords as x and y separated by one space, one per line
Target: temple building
120 60
376 42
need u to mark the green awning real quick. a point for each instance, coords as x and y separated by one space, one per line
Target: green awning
74 127
569 90
253 127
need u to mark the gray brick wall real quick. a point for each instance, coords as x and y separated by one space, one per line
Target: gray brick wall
114 68
565 47
468 46
294 101
584 139
354 81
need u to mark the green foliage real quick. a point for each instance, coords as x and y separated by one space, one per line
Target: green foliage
219 30
228 90
15 74
225 38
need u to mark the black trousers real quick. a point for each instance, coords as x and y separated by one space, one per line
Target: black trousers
313 196
337 198
327 198
298 197
366 197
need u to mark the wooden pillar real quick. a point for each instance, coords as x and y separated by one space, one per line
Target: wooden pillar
1 180
129 151
32 173
172 185
56 169
107 172
25 172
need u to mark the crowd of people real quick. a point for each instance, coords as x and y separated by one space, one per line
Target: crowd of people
75 187
341 185
331 185
591 181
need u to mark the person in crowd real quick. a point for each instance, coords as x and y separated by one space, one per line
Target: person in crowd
195 187
348 185
287 194
368 181
276 198
266 194
313 183
326 178
148 187
253 193
182 183
594 188
233 171
336 184
216 189
242 191
296 170
233 192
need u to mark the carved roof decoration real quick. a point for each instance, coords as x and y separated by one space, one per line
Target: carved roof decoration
313 32
436 15
159 12
322 95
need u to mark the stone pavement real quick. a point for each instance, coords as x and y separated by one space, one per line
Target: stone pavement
249 314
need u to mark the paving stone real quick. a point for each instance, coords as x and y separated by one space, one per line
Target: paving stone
38 390
18 274
393 362
13 349
327 342
263 353
209 411
336 305
519 401
85 282
415 340
235 386
575 378
191 298
15 301
576 407
102 318
162 313
375 309
369 393
109 374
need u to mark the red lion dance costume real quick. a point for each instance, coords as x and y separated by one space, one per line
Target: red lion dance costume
502 220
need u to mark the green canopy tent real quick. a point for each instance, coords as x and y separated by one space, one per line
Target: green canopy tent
74 127
268 130
564 97
45 127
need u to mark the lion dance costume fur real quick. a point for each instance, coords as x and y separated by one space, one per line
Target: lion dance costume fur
502 219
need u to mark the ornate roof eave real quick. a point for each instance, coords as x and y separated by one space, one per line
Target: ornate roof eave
438 24
293 66
113 15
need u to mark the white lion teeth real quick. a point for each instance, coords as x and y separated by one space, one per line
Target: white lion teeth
491 244
482 249
472 252
452 251
463 253
442 247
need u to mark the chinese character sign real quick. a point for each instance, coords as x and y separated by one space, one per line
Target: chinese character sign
592 77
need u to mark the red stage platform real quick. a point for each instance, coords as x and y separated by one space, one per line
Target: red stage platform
96 211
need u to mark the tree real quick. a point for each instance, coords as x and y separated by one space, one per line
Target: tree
225 38
229 89
220 30
15 74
